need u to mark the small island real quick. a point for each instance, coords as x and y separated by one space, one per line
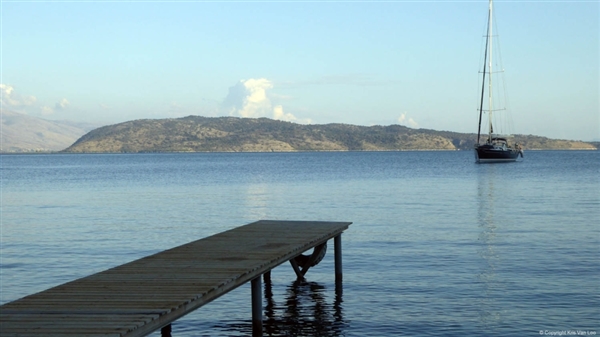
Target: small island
234 134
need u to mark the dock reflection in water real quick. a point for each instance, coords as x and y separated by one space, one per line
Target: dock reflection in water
304 311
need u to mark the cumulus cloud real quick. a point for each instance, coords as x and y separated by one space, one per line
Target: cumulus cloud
279 114
250 98
46 111
407 121
11 99
62 104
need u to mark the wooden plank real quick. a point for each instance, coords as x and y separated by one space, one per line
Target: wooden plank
139 297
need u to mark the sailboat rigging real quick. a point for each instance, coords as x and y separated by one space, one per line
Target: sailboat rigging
496 147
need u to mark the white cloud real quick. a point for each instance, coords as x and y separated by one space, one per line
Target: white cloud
46 111
407 121
30 105
279 114
12 99
250 98
62 104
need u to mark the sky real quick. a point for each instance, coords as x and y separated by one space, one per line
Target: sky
414 63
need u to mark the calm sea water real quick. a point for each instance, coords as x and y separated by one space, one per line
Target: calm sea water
440 246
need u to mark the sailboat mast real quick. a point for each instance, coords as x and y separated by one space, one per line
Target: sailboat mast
487 40
490 70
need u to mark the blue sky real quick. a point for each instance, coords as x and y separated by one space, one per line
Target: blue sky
414 63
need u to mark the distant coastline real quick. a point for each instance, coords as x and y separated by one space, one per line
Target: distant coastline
233 134
158 152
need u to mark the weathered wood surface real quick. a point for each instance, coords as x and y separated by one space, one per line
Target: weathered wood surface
137 298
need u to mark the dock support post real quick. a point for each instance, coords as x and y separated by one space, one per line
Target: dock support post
337 246
257 328
166 331
297 270
267 277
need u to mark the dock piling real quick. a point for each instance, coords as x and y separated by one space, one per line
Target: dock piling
337 247
165 331
256 286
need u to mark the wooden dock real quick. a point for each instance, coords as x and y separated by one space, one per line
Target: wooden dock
140 297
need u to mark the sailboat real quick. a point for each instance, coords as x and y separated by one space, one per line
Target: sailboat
496 147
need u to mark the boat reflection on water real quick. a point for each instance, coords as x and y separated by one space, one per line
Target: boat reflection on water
491 286
306 310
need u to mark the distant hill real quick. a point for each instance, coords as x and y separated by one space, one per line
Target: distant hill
23 133
232 134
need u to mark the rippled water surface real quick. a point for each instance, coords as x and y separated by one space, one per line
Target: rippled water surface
439 245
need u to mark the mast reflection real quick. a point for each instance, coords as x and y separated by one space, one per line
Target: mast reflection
489 314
